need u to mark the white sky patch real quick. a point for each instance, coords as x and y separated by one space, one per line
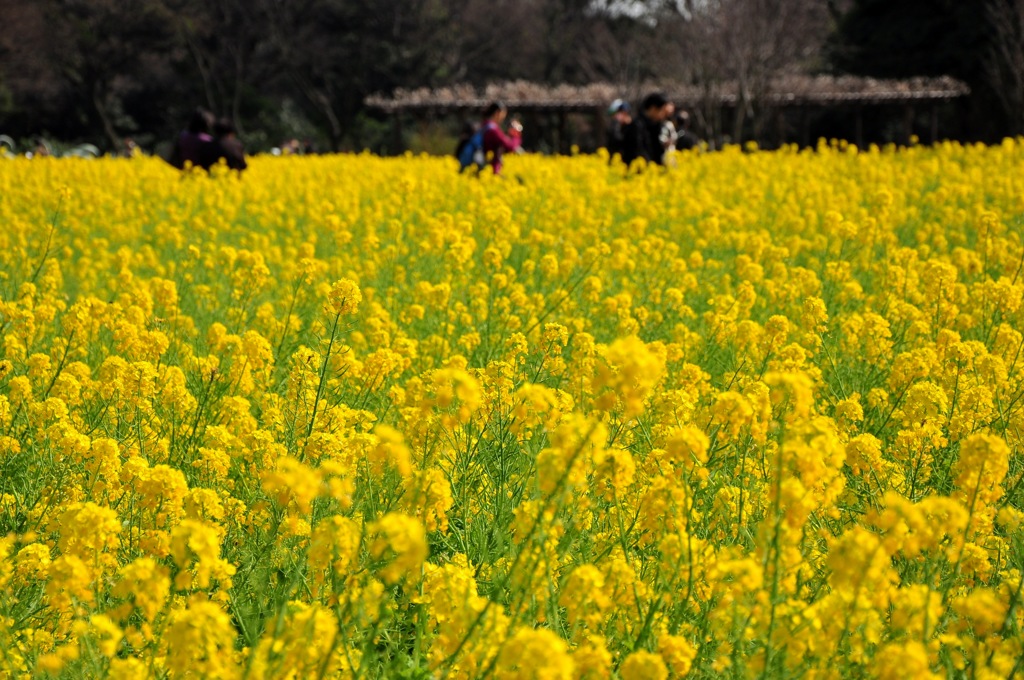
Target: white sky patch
646 10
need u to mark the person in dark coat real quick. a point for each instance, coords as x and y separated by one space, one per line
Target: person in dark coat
642 137
687 139
228 146
192 145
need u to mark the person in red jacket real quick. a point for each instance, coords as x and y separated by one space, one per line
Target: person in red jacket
496 142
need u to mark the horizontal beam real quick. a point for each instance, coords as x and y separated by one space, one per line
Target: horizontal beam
786 92
780 101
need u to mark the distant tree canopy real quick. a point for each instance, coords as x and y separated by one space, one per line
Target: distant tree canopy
104 70
910 38
981 43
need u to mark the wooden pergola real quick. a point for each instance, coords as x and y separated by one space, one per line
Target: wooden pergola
793 93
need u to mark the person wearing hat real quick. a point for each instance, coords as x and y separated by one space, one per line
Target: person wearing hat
620 118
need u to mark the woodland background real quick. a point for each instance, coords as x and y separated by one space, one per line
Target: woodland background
99 71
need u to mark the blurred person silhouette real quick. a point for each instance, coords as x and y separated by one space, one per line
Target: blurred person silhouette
668 135
620 117
227 146
488 143
42 149
687 139
642 137
192 146
129 148
466 133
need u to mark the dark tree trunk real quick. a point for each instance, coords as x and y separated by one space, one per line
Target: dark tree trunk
99 104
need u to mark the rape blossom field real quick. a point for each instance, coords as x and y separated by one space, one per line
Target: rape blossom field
352 417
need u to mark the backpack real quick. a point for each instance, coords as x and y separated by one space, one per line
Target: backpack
472 151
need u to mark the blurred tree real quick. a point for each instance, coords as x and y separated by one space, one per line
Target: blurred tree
747 43
224 39
1004 63
334 53
28 80
102 50
889 39
909 38
91 69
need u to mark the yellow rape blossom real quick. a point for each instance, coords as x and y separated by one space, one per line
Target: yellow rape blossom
366 417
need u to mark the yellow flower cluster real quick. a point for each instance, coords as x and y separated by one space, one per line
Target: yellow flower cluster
759 416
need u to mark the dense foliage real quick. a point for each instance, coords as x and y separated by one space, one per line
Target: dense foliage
99 71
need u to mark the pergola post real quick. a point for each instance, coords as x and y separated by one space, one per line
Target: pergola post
423 120
600 128
396 133
532 123
859 126
563 141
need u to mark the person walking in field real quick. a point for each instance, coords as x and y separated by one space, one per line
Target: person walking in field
642 138
686 140
489 143
228 146
192 145
205 142
668 135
